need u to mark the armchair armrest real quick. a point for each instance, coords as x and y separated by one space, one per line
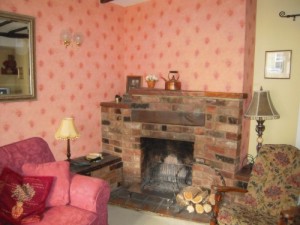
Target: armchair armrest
220 190
289 214
228 189
89 193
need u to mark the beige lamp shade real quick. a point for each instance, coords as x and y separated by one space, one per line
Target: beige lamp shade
261 107
67 130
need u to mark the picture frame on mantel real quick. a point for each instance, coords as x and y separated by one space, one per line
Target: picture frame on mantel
133 82
278 64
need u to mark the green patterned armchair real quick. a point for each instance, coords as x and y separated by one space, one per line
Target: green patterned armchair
274 186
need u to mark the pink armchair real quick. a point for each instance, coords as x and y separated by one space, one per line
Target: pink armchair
88 196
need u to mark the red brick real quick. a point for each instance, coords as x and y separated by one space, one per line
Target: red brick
211 109
228 128
214 148
127 158
225 139
227 174
233 136
230 112
126 112
199 131
136 132
104 109
150 99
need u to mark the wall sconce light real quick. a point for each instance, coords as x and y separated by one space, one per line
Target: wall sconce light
260 109
67 37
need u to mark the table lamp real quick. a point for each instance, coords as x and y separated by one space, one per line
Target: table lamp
67 131
260 109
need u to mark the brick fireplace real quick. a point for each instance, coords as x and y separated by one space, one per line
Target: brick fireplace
212 121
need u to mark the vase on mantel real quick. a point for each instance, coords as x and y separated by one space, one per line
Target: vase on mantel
151 83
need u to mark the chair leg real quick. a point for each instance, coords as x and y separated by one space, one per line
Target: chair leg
218 199
282 221
213 221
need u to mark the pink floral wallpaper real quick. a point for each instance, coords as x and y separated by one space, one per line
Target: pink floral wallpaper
70 81
205 40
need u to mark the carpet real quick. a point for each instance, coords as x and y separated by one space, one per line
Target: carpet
122 216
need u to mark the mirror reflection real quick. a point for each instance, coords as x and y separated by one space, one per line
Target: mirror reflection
17 78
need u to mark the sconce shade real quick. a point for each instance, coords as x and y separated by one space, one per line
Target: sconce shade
67 37
261 107
67 130
78 38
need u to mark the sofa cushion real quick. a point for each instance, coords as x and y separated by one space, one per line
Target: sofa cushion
59 194
22 196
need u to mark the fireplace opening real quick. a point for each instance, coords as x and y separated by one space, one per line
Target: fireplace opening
166 165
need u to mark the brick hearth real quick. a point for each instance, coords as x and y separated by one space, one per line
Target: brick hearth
213 121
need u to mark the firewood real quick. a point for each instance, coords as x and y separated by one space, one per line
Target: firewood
211 199
197 199
200 197
207 207
181 200
190 192
199 208
190 208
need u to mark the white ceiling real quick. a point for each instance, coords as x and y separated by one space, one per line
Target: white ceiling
126 3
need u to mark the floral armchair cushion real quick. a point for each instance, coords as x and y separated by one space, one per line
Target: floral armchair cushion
240 215
275 179
274 185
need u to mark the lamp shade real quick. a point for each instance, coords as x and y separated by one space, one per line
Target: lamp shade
261 107
67 130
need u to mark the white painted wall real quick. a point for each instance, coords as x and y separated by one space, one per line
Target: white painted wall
276 33
298 133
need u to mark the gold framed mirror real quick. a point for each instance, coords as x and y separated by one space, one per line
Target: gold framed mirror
17 57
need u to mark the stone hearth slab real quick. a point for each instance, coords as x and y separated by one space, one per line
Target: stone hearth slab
161 206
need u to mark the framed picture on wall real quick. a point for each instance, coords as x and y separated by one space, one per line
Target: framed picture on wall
278 64
133 82
4 91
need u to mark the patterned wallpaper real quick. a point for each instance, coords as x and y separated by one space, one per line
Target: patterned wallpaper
70 81
203 39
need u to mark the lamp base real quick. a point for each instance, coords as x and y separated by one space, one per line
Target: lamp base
260 128
68 150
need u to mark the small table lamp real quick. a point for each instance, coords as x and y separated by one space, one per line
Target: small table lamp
67 131
260 109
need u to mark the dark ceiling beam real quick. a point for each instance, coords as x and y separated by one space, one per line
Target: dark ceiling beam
17 30
105 1
5 23
13 35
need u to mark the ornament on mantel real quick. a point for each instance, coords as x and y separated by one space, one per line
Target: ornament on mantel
151 80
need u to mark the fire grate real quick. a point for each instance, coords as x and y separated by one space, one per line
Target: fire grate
167 178
166 166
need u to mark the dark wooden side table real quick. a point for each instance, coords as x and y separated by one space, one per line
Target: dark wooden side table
109 168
